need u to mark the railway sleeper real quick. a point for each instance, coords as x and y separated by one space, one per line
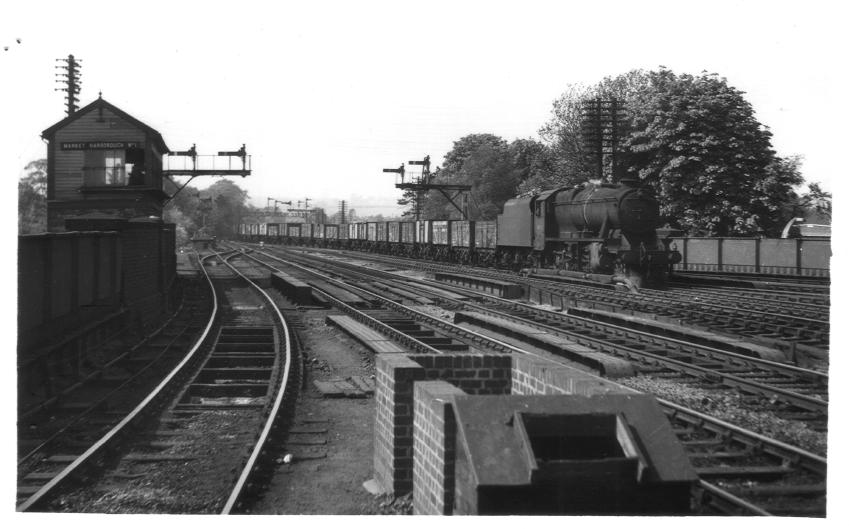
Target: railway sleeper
807 490
767 472
720 455
704 443
802 416
233 373
41 476
228 390
716 366
785 508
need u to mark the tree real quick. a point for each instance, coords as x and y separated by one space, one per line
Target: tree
182 211
562 133
408 200
774 201
184 226
817 204
219 209
493 168
32 198
229 206
536 166
696 141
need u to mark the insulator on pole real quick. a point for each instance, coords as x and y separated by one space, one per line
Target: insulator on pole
70 80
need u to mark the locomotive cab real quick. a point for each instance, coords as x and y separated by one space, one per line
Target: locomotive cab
545 225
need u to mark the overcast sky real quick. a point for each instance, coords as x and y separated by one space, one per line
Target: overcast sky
326 94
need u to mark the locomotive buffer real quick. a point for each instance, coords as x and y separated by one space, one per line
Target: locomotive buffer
423 183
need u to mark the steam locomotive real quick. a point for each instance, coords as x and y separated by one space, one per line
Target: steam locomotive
597 231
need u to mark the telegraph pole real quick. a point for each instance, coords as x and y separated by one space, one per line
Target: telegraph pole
70 78
602 123
343 209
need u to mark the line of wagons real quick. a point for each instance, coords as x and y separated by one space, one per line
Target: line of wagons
474 242
463 241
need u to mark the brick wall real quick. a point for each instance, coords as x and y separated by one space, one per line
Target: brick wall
475 374
393 440
434 434
393 425
537 376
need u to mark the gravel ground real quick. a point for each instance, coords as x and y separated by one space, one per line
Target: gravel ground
210 443
728 405
328 478
435 311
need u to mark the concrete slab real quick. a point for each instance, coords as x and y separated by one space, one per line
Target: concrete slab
607 365
293 288
367 336
502 289
672 330
328 389
338 388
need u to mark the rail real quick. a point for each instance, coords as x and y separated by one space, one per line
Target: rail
114 433
792 455
244 477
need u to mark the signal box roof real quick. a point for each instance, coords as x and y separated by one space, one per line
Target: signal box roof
102 103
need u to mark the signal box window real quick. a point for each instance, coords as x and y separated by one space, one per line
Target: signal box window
114 168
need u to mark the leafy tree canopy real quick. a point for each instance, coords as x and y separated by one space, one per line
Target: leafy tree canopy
217 209
816 204
494 169
695 139
32 198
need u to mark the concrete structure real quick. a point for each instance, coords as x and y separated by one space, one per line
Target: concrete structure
203 243
566 454
459 430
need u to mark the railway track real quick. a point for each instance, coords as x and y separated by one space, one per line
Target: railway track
69 421
741 472
756 320
218 409
809 305
764 281
790 392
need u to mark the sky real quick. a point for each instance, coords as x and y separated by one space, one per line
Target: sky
326 94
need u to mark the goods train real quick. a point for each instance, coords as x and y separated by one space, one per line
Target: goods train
592 230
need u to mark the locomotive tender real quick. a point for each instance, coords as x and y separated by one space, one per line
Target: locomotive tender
598 229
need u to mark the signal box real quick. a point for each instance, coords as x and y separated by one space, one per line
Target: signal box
103 161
